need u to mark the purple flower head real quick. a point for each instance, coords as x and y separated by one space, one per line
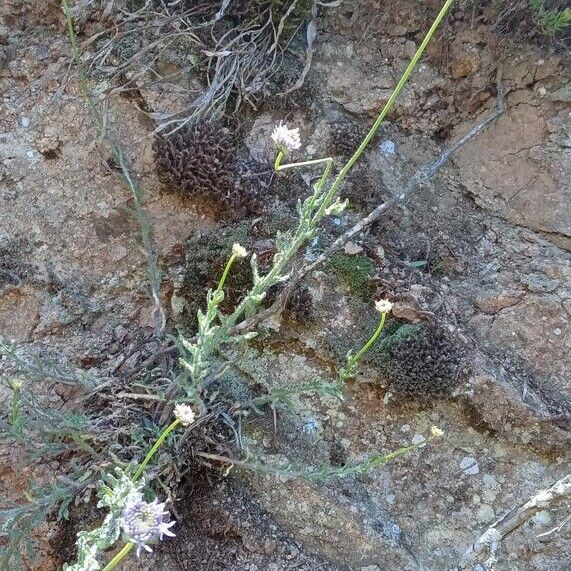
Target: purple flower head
143 522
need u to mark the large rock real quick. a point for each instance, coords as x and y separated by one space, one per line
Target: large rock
512 172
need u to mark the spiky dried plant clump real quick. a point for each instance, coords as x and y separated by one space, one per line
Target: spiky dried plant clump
299 306
201 161
422 362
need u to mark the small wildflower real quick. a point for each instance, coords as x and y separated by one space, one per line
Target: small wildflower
143 523
286 139
184 413
239 251
435 431
383 306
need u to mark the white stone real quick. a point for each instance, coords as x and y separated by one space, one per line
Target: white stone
486 513
351 248
387 147
469 466
541 518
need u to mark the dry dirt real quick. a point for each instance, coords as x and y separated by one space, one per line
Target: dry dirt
492 232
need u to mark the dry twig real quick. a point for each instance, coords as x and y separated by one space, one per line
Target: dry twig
490 540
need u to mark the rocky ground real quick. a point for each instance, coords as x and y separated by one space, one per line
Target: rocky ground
483 249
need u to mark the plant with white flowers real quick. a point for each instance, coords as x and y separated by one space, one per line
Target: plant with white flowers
143 523
384 307
286 139
115 495
184 414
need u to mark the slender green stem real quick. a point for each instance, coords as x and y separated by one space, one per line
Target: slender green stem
16 413
321 473
127 548
279 158
357 357
279 167
81 74
211 313
388 105
70 30
154 449
315 207
325 174
225 273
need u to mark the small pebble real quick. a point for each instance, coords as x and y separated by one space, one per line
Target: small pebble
351 248
486 513
387 148
541 518
311 425
469 466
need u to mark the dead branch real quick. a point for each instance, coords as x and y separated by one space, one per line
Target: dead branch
420 176
490 540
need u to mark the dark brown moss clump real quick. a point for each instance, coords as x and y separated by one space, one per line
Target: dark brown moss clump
299 306
201 162
423 362
347 136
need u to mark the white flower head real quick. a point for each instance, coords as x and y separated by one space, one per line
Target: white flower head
286 139
436 432
383 306
184 413
143 523
239 251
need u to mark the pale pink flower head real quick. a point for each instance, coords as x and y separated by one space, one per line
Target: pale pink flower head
144 522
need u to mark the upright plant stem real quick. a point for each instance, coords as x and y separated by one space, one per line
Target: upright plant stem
357 357
388 105
225 273
119 155
306 227
127 548
154 449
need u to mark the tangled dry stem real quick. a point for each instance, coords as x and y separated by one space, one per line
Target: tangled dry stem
239 46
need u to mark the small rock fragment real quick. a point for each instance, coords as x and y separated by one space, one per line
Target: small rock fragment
351 248
486 513
388 148
469 466
541 518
